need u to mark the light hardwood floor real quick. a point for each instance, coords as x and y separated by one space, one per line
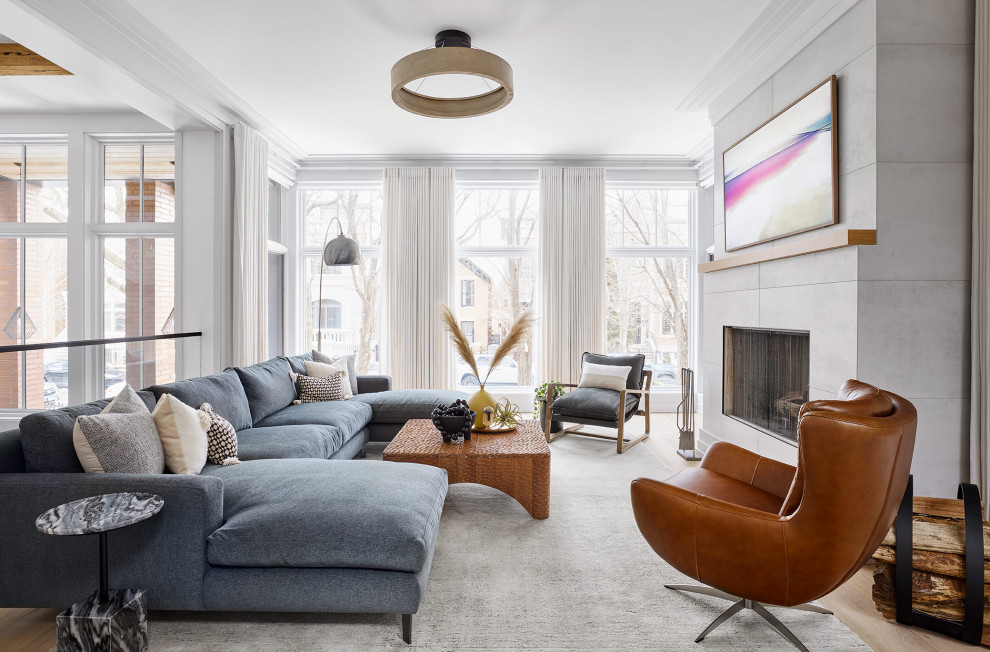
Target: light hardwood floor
33 630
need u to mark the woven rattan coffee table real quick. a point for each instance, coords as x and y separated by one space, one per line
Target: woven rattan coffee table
517 463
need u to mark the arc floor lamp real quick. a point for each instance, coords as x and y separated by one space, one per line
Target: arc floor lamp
339 252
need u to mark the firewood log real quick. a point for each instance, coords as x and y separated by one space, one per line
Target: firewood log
933 594
940 563
938 534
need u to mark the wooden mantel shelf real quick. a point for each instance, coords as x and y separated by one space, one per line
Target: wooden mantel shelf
831 240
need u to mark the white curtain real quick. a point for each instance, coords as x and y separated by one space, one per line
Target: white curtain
572 268
419 275
250 259
979 458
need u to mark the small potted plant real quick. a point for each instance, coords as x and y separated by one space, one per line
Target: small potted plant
540 405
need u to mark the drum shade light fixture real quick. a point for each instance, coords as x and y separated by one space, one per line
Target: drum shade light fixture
453 55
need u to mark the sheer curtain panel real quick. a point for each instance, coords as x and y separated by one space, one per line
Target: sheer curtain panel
419 275
250 259
572 268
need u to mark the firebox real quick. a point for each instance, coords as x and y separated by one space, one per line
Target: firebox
766 378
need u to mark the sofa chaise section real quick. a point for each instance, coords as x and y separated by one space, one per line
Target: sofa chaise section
313 535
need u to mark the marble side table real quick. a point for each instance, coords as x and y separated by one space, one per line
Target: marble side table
107 619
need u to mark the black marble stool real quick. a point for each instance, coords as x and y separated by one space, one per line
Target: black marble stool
106 620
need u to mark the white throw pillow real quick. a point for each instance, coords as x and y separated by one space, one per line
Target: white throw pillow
322 370
604 376
351 366
182 430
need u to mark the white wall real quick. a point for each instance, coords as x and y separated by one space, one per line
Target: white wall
203 194
913 285
894 314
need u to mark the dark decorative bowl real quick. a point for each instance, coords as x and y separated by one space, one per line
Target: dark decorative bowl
452 428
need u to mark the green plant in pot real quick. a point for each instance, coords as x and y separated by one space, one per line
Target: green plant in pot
540 405
514 338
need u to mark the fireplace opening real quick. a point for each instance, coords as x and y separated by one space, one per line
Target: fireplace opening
766 378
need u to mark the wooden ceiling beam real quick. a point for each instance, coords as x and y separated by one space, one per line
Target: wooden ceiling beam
15 59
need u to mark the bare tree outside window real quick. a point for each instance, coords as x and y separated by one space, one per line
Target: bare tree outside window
648 281
496 230
357 288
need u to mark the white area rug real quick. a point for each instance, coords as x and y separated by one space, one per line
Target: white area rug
584 579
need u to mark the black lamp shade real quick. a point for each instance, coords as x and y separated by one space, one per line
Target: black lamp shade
342 251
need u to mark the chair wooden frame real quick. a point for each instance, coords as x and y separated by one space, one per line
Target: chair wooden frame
621 444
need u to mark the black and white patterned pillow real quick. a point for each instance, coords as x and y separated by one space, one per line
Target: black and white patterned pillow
316 390
221 439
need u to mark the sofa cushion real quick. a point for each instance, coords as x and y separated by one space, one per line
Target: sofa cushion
593 403
223 391
401 405
46 437
268 387
349 416
296 362
327 514
285 442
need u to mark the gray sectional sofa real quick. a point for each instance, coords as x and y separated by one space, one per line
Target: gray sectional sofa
297 526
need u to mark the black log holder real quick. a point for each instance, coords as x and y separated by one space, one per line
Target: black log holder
685 418
971 629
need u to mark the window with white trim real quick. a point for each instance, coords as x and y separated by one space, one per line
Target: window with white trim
649 276
497 227
34 209
138 244
350 318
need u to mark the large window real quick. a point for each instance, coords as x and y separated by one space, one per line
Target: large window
276 272
139 262
349 318
497 232
649 276
33 292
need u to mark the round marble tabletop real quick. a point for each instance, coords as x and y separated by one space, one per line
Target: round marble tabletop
99 513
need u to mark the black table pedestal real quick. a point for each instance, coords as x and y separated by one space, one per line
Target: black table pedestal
118 624
108 619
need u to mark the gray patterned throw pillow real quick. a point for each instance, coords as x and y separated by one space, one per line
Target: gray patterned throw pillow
125 401
221 439
351 373
118 443
316 390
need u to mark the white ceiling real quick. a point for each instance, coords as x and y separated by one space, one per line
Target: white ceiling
55 93
592 78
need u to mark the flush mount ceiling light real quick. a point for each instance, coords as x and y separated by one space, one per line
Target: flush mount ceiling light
462 81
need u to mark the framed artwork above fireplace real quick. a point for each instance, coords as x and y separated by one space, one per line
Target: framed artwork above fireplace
781 179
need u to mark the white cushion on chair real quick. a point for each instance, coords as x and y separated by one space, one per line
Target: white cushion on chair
604 376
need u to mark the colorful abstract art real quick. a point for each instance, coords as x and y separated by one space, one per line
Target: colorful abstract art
780 179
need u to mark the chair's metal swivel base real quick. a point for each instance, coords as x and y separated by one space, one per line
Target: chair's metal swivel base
742 603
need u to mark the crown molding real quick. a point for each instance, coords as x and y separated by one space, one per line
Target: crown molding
115 47
777 34
703 154
334 162
281 169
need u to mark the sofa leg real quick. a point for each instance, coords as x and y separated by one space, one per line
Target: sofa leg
407 628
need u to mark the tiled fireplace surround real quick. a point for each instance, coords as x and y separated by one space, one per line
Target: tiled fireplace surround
895 314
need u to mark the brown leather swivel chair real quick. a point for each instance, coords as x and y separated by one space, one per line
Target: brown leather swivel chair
758 531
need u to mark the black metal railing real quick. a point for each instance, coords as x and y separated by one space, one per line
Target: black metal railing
18 348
